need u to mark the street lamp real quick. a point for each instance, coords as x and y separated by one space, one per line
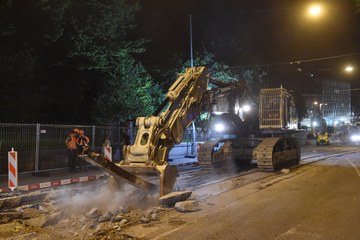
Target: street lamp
349 69
315 10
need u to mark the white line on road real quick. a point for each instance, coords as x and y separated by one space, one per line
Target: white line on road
357 170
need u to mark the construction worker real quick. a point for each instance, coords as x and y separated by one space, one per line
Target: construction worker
71 144
83 144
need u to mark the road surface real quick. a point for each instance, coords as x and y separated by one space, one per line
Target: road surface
315 201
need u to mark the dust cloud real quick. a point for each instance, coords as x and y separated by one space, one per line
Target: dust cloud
105 195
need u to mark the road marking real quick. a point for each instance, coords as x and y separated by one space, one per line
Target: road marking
357 170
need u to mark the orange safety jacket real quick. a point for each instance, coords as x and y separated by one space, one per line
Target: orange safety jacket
71 141
83 140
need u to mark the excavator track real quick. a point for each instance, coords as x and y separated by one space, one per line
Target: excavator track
277 152
212 147
237 150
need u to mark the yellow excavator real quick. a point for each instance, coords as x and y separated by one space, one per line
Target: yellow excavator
185 100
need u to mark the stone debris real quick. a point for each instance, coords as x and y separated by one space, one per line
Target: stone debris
285 170
10 202
174 197
93 213
53 219
187 206
57 213
117 218
106 217
9 216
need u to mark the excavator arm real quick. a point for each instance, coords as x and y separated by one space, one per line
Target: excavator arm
157 134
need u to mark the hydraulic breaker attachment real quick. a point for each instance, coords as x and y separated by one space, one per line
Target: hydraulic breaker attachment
111 168
168 176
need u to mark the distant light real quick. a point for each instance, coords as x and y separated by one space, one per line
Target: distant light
315 124
349 68
246 108
315 10
217 113
315 103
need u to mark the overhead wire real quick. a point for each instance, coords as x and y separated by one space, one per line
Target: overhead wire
297 61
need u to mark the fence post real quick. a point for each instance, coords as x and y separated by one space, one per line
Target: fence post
93 138
37 147
193 149
131 132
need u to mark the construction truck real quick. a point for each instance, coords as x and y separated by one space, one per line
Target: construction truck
189 97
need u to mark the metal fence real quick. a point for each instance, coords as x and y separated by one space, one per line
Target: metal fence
41 147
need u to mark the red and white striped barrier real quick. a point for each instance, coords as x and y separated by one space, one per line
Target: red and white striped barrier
55 183
108 153
13 169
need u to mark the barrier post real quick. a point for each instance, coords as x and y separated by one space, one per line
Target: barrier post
13 169
108 153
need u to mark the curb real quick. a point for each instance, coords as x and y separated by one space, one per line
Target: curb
55 183
186 164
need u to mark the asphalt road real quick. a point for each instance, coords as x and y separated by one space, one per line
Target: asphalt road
315 201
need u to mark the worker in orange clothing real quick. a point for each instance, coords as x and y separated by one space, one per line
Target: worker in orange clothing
71 144
83 144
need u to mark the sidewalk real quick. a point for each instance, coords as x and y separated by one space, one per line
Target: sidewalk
29 182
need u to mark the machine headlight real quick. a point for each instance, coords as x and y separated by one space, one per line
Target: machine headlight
355 138
246 108
219 127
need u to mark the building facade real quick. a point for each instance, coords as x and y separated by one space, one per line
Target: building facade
336 102
331 101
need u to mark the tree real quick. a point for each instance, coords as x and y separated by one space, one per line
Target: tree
69 53
255 77
21 68
357 3
127 94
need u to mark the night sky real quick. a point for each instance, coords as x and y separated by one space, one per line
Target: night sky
39 52
246 33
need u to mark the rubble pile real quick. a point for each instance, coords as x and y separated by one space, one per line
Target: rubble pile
71 213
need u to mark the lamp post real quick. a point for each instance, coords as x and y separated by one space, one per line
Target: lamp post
191 47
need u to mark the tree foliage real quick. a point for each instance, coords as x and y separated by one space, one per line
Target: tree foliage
357 3
255 77
66 57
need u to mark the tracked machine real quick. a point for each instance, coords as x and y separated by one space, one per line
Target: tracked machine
185 100
272 145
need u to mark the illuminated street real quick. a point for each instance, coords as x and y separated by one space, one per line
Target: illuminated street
317 201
